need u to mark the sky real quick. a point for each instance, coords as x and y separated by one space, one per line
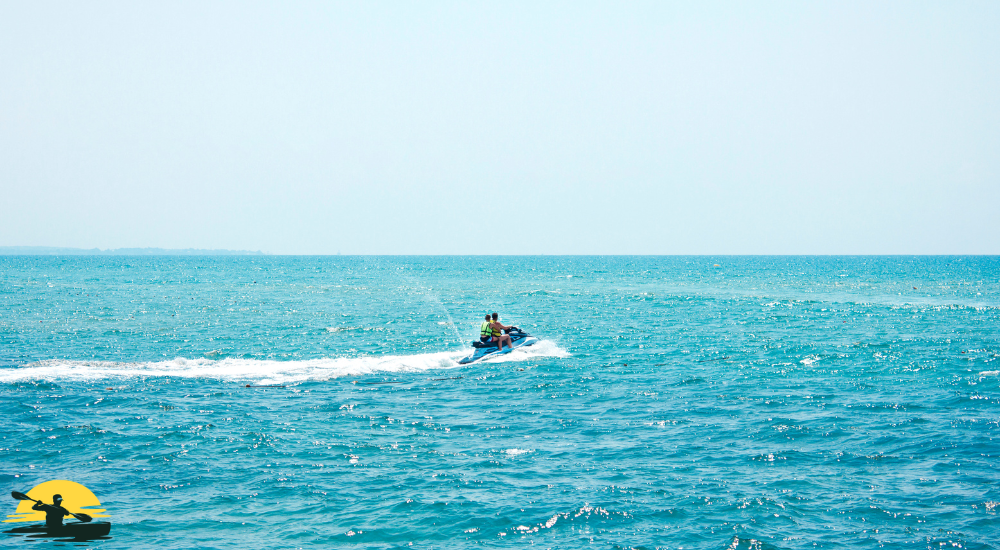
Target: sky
502 127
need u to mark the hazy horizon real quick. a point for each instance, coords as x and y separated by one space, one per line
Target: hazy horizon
152 251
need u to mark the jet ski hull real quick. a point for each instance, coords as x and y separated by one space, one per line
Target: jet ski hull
485 351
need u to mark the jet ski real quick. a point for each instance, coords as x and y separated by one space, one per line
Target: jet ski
518 338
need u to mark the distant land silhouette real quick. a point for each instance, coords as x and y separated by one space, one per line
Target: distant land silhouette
59 251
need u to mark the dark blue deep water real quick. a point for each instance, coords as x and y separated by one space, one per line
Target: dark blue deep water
673 402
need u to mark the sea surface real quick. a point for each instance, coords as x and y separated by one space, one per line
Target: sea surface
672 402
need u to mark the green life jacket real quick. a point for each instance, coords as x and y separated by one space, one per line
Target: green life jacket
485 330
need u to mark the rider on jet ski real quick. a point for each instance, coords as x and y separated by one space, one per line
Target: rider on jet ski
492 331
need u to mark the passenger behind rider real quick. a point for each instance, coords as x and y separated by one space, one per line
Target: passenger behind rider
499 337
486 331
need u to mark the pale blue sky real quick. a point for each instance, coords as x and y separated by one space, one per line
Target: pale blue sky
511 128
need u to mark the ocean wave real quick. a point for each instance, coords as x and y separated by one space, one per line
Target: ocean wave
259 371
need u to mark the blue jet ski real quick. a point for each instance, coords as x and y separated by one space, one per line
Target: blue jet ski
518 338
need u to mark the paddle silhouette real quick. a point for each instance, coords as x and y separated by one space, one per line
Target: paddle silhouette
22 496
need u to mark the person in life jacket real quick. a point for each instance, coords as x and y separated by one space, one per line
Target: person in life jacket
485 331
497 328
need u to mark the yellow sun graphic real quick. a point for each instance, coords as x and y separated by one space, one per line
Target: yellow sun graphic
76 498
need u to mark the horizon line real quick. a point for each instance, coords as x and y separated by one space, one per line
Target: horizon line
157 251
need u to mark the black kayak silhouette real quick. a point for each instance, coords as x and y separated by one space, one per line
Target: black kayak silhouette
84 531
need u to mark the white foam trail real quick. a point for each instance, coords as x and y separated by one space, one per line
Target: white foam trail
257 370
544 348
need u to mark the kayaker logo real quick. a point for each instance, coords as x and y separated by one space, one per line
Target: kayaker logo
58 508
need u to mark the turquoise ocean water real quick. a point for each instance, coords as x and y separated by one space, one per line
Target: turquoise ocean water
673 402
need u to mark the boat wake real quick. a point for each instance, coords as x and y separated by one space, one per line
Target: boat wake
544 348
257 371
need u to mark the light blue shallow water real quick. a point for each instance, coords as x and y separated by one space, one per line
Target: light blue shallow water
768 402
